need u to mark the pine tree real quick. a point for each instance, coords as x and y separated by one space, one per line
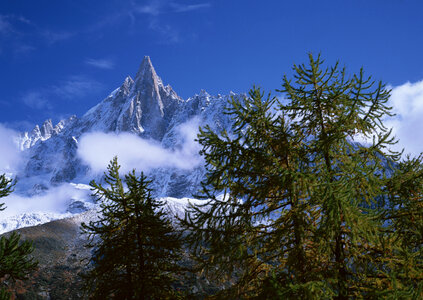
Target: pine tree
403 230
261 222
135 249
15 260
300 216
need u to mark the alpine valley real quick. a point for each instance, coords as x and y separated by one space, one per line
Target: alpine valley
143 109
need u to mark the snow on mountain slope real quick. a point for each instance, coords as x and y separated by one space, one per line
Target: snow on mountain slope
29 219
45 206
144 107
28 139
173 206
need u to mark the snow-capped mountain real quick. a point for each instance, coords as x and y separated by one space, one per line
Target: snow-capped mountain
142 106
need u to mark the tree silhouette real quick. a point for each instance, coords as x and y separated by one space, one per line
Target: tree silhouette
135 249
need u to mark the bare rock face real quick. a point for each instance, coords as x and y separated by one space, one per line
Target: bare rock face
155 102
143 106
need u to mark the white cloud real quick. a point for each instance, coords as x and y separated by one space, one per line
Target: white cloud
5 26
168 33
100 63
407 125
154 8
73 87
54 200
76 87
10 156
13 37
157 7
188 7
36 99
133 152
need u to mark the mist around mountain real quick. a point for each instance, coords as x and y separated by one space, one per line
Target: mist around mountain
144 122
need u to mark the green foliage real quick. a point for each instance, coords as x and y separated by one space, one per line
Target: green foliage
4 294
6 188
403 233
303 206
135 249
15 260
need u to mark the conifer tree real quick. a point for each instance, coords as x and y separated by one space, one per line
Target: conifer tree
260 222
300 216
15 260
135 249
403 230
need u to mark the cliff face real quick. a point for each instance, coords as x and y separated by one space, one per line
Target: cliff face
143 106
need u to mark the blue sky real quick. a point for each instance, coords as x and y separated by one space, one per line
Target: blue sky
59 58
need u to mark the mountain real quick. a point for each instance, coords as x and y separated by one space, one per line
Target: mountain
54 171
143 107
59 249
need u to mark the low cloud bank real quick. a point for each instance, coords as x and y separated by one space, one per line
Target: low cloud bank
407 103
11 157
54 200
97 149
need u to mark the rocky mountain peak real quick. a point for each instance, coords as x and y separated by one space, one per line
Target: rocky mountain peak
59 126
128 81
147 73
36 131
46 129
126 86
149 85
29 139
143 106
153 103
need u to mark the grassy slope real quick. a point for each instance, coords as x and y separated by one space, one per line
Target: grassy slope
59 250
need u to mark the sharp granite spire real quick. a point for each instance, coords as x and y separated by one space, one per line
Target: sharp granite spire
146 72
144 107
154 102
149 84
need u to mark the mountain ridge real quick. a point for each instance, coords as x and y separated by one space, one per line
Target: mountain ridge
143 107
